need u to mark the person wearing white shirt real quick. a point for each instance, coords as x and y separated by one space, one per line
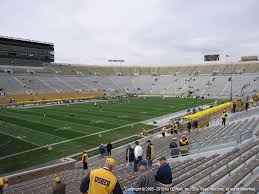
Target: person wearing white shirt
138 152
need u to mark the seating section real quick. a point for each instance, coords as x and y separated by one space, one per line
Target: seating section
199 85
48 97
228 169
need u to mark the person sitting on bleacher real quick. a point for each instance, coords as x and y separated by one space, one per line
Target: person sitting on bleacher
59 188
164 174
3 184
174 148
184 148
102 180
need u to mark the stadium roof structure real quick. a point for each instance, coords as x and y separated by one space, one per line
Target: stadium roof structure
26 40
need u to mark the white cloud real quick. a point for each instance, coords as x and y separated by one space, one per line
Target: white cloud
139 31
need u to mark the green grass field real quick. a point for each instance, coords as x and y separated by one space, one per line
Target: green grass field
72 128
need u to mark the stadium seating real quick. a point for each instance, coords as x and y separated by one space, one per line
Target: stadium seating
210 167
219 156
49 97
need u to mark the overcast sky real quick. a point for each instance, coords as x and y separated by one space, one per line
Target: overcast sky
139 31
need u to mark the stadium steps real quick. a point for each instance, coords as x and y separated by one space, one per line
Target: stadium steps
220 167
254 184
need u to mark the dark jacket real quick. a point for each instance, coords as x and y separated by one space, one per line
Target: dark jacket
101 149
164 174
189 125
59 188
148 152
130 155
109 147
174 149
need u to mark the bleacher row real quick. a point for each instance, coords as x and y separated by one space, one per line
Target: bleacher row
219 169
73 69
200 85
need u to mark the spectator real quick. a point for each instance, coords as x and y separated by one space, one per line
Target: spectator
234 107
224 117
150 153
102 180
246 105
174 148
130 157
172 129
164 173
102 150
163 132
59 188
145 179
85 160
144 133
176 129
189 126
3 184
184 148
195 124
109 148
181 122
138 152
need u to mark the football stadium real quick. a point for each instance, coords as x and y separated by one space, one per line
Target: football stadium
126 128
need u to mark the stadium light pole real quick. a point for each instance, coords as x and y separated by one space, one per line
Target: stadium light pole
231 79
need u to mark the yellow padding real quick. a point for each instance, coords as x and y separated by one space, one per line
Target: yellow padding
208 111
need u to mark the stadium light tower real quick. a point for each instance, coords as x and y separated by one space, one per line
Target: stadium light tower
231 78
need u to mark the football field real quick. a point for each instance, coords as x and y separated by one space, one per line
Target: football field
72 128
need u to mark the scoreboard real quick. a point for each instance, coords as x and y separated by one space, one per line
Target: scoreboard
23 52
211 57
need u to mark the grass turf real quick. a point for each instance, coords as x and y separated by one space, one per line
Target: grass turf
25 129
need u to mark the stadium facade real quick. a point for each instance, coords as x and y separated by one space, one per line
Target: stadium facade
23 52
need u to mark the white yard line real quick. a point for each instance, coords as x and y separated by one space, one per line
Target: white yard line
81 137
19 116
19 138
69 140
26 128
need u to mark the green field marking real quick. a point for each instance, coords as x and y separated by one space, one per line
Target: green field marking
63 124
37 137
38 126
11 145
22 138
80 124
105 114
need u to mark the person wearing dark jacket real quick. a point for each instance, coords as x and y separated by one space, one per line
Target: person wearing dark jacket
59 188
174 148
164 173
189 126
149 153
102 150
109 149
246 105
130 157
